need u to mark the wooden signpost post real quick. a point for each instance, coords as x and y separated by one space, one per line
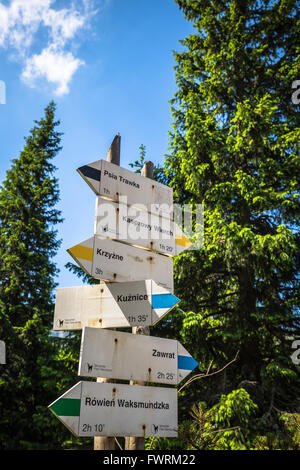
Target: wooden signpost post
136 289
107 442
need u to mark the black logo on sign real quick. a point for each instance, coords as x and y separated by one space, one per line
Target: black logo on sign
60 323
155 428
89 367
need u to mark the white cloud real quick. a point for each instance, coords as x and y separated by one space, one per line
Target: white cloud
22 25
56 66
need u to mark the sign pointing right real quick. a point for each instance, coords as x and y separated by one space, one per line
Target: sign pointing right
138 227
112 305
118 355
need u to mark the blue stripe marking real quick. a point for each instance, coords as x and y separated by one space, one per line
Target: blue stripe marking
164 300
186 362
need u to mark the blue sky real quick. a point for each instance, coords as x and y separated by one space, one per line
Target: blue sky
108 65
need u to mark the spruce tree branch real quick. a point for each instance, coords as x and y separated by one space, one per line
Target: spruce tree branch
216 431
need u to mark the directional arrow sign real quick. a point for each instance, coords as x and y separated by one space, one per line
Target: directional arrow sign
112 305
2 352
109 409
114 182
118 355
137 227
114 261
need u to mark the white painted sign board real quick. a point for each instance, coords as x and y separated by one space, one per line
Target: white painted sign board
2 352
137 227
114 182
109 409
119 355
112 305
114 261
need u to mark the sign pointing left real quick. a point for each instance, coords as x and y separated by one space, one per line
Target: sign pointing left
114 182
114 261
109 409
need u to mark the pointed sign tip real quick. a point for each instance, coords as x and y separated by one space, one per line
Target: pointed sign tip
186 362
89 171
81 252
164 301
195 363
66 407
181 239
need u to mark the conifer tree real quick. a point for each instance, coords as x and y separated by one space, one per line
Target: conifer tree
235 148
28 244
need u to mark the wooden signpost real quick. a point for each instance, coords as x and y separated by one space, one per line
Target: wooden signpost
2 353
113 354
108 409
136 289
114 183
112 305
111 260
135 226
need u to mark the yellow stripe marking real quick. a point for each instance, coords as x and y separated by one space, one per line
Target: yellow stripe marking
183 241
82 252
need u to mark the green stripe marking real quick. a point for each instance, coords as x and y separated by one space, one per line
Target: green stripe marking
66 407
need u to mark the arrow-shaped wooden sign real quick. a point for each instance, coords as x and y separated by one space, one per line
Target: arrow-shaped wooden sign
114 261
138 227
2 352
112 305
109 409
114 182
118 355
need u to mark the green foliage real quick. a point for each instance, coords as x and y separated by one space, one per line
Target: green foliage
234 411
225 426
201 433
38 365
234 148
232 424
158 172
283 433
78 271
